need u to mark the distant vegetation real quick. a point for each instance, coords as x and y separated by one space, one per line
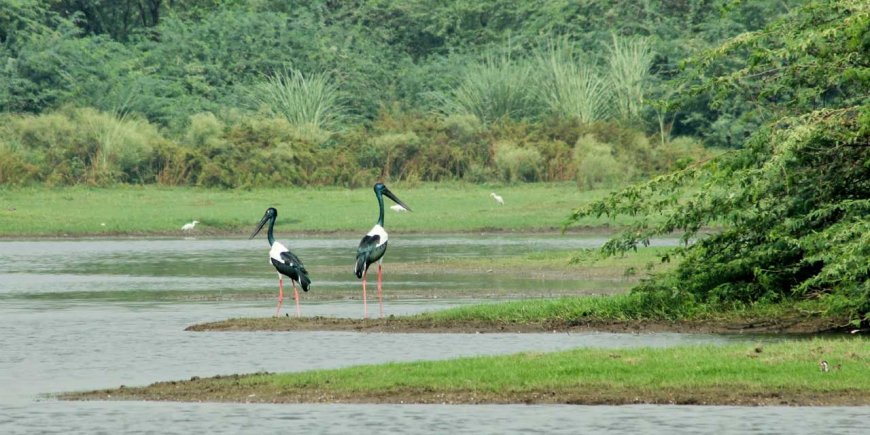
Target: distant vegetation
238 93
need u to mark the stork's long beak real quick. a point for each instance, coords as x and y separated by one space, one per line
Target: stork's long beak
395 198
260 226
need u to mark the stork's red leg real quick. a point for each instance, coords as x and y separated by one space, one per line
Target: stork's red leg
280 294
380 296
365 304
296 297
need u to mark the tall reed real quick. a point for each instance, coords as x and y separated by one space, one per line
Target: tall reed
312 102
629 62
496 88
573 89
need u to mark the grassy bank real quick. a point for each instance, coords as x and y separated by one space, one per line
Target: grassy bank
132 210
739 374
630 312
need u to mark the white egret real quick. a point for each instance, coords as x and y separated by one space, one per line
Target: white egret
189 226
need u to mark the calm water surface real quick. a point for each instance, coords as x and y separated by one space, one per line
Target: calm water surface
239 265
66 342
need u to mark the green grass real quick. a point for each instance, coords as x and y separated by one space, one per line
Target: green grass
773 373
625 307
779 365
162 210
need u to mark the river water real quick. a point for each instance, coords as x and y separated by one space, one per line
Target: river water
57 334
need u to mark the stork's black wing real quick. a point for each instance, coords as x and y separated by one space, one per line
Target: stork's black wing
368 252
292 266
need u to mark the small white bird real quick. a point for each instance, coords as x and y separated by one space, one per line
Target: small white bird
398 208
497 198
189 226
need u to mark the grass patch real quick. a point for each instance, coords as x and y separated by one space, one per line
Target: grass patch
623 307
138 210
631 312
779 373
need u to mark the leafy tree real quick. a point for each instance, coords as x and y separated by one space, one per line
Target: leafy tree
794 204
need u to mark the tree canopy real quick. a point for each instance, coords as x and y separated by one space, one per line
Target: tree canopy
793 204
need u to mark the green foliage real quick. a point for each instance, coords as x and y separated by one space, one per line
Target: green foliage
310 103
596 166
629 62
78 146
493 90
515 163
387 62
794 202
573 88
168 61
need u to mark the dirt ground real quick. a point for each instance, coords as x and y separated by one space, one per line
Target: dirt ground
231 389
413 325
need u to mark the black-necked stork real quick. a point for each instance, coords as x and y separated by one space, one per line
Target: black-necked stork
373 246
284 261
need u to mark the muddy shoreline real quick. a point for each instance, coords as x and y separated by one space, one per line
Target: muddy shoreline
234 389
795 326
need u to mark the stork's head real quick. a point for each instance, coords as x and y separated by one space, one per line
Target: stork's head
270 215
381 189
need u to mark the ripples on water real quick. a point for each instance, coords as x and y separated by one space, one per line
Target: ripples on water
58 344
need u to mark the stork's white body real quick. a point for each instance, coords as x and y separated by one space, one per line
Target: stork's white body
379 231
275 252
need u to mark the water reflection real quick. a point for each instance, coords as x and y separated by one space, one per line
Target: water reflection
29 268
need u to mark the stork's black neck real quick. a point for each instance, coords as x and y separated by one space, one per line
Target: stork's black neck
269 233
381 206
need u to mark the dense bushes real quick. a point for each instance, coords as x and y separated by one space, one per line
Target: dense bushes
173 60
73 146
794 202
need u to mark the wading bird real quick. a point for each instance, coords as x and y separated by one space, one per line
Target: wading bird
189 226
497 198
285 262
373 246
398 208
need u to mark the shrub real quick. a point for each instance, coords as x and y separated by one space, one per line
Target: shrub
308 103
462 128
596 165
264 151
395 149
84 146
629 61
124 146
517 164
572 88
493 90
680 152
206 132
14 168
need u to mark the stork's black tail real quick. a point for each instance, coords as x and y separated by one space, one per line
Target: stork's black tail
360 264
304 281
